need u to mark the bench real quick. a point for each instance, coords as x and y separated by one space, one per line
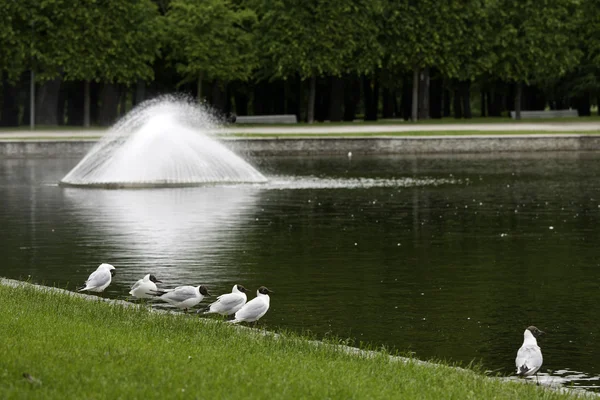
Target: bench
546 114
266 119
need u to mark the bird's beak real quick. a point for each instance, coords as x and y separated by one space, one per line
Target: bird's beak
208 294
157 281
542 333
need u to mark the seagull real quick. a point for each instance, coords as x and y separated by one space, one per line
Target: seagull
229 303
529 357
254 309
144 288
99 279
183 296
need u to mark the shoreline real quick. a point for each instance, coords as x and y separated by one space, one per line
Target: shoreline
338 145
277 345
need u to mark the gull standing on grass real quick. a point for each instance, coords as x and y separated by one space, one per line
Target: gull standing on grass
253 310
529 357
228 303
183 297
145 287
99 279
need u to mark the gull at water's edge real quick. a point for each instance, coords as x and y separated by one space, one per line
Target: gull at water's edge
145 287
256 308
228 303
99 279
529 357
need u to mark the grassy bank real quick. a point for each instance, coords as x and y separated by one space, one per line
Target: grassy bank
74 348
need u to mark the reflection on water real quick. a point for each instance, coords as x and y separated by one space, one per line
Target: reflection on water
447 257
179 225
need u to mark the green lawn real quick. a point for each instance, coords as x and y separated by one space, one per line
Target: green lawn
76 349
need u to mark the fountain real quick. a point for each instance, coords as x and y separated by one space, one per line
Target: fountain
163 142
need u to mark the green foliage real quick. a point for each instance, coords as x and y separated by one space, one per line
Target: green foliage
318 37
111 41
211 38
534 39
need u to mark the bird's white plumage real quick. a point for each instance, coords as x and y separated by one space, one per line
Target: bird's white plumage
254 309
529 357
228 303
183 296
143 288
99 279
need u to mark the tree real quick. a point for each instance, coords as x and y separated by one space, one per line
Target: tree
419 34
211 40
110 41
534 40
316 38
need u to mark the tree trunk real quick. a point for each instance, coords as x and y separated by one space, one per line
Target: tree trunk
415 95
352 98
371 93
75 99
424 93
310 112
336 99
86 104
199 97
466 99
583 105
457 104
46 112
484 96
9 114
241 102
218 96
322 101
436 97
518 101
406 97
109 104
447 108
140 92
388 103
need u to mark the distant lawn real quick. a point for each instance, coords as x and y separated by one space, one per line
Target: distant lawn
256 135
57 346
448 120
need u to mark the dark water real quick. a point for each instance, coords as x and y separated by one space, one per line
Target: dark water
447 257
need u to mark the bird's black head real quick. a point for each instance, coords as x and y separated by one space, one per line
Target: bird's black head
264 290
241 288
112 272
153 279
204 290
535 331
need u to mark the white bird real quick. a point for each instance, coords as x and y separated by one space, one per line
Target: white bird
255 308
529 357
99 279
145 287
184 297
229 303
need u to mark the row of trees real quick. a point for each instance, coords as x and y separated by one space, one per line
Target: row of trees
320 59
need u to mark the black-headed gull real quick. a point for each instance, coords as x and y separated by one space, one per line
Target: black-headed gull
99 279
184 297
145 287
228 303
254 309
529 357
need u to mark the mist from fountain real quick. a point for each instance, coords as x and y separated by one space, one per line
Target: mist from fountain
165 142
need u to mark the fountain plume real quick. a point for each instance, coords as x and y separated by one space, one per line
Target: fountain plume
165 142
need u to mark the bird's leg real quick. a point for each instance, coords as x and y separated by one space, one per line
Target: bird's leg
537 380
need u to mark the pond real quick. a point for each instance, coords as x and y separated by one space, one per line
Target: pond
445 257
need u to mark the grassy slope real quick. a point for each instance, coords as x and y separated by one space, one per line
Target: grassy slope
82 349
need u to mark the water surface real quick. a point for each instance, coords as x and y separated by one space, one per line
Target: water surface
447 257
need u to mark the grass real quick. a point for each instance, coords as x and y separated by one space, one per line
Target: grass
73 348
